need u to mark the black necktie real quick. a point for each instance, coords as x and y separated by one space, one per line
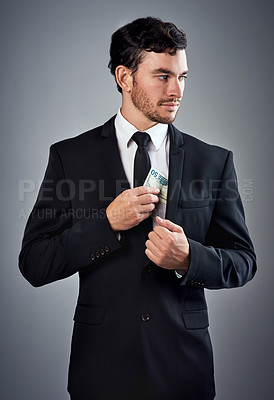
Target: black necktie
142 160
141 169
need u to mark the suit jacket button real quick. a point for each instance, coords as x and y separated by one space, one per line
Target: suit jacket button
107 249
102 251
97 254
145 317
149 268
92 257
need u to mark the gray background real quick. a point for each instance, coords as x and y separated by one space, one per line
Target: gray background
55 84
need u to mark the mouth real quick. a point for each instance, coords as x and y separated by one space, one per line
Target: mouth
171 106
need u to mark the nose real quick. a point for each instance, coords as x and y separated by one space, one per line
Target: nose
176 88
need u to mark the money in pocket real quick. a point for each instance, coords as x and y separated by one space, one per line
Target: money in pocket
157 180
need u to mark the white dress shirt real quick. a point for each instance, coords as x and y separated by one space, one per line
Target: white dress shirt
158 150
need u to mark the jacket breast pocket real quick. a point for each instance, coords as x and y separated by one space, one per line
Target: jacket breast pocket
197 319
195 203
194 217
89 315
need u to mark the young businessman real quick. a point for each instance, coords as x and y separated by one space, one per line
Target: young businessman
143 255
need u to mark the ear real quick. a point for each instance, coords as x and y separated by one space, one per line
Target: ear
123 78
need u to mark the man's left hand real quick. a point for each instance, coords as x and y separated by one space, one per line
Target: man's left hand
167 246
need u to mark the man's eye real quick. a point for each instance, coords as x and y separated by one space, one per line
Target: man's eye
183 77
163 77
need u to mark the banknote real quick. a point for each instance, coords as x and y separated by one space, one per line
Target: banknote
158 180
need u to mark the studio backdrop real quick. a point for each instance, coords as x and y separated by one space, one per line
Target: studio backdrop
55 84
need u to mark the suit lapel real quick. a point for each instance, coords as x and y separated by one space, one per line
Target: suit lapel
176 161
112 156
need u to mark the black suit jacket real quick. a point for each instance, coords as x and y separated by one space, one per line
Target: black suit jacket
131 312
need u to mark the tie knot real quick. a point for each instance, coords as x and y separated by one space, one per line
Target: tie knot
141 138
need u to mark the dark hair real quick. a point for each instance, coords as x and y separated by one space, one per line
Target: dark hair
129 42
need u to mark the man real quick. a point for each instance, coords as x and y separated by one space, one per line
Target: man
143 257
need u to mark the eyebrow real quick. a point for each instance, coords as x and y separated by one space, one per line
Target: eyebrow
167 71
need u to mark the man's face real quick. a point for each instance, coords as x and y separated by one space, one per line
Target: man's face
158 86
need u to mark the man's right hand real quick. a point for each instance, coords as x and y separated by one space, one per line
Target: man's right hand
131 207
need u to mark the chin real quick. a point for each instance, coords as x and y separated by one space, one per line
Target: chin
170 117
168 120
161 119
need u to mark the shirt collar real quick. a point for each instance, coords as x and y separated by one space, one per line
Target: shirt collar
125 130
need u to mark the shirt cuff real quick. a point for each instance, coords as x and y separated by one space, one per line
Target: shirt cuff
180 274
118 235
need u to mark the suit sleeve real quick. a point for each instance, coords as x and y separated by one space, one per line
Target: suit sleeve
227 259
53 246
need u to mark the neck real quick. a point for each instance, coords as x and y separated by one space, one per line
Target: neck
136 118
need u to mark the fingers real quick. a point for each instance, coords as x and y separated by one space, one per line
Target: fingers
154 239
144 198
167 246
141 195
151 255
131 207
165 223
141 190
146 208
148 198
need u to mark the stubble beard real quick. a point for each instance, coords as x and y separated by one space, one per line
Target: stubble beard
143 103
